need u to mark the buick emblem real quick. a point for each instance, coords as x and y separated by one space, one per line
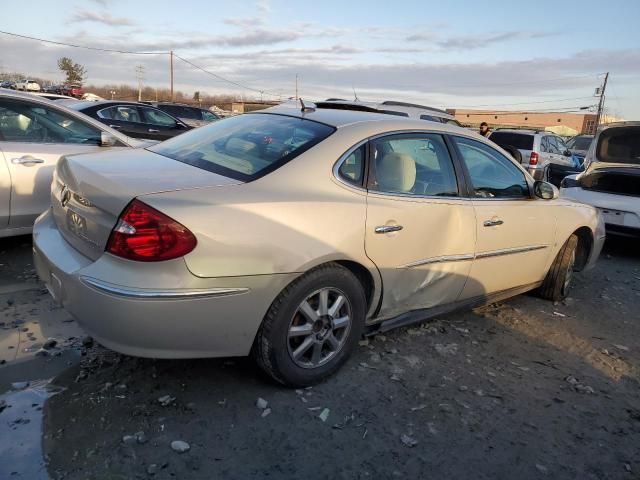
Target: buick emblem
76 224
65 196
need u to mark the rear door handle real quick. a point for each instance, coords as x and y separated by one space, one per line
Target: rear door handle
117 127
492 223
153 130
388 228
27 160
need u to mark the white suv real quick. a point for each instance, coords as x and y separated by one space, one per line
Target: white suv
544 154
392 107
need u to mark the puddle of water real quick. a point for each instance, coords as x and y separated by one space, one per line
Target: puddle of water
21 454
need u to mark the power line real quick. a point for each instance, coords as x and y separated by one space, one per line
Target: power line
82 46
219 77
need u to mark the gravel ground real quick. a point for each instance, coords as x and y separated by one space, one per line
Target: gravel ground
523 388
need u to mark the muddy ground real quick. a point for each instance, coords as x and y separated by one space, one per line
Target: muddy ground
521 389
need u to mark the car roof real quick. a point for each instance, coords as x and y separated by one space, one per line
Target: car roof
523 131
339 118
91 103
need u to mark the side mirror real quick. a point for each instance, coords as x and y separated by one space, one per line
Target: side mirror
545 190
107 140
567 153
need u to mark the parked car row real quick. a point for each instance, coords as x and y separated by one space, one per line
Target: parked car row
34 133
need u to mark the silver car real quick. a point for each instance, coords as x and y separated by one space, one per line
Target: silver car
288 233
544 154
34 133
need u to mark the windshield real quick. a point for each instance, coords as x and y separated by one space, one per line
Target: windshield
520 141
245 147
580 143
619 145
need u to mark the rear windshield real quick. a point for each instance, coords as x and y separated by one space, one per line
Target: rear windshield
245 147
619 145
521 141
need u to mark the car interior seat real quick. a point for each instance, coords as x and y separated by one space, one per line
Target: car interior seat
396 172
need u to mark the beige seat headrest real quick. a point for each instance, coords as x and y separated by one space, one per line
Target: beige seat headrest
240 147
396 172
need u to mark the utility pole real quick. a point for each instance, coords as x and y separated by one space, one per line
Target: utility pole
140 76
171 67
296 86
601 103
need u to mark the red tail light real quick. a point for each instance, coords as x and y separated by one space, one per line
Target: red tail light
533 159
147 235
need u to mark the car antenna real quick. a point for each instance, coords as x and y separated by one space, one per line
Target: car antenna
305 108
355 95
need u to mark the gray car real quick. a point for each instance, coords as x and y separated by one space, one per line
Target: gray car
34 133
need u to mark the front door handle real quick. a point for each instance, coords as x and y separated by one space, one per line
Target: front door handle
27 161
153 130
117 127
388 228
492 223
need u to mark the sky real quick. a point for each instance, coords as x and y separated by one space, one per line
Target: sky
505 55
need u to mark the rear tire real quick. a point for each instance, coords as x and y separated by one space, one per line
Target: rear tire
312 327
558 280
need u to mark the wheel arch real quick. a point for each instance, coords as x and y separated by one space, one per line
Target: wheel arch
585 246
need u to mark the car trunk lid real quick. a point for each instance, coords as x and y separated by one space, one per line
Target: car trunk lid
90 191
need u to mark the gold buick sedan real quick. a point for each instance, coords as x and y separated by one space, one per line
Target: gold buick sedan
287 234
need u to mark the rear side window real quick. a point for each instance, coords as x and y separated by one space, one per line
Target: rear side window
521 141
245 147
121 113
413 164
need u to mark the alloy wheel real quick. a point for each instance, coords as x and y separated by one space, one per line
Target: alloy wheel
319 328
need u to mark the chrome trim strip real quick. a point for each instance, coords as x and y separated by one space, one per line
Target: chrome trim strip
177 294
468 256
510 251
443 259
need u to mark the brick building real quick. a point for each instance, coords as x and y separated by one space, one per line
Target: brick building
579 122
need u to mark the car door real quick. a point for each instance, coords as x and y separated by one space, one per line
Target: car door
32 139
160 125
514 230
420 232
126 119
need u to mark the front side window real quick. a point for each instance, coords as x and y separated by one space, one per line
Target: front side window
492 174
553 146
157 117
121 113
27 122
417 164
245 147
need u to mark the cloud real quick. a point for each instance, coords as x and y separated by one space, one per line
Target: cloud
472 42
264 6
104 18
244 22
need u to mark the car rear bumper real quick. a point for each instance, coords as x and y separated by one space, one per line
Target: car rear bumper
157 310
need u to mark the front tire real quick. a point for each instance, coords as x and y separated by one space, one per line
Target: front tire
312 327
558 280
